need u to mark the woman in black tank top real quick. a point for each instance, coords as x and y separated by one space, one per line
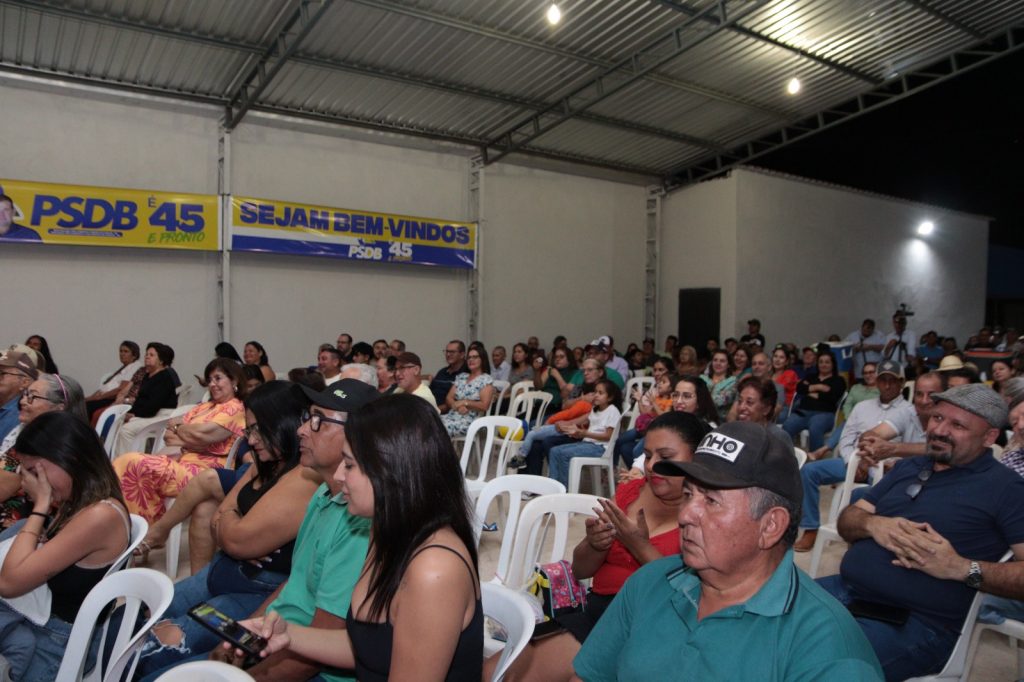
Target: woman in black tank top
415 611
77 527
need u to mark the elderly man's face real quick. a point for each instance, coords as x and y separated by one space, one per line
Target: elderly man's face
956 436
716 532
6 216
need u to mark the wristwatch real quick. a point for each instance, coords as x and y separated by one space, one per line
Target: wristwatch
973 578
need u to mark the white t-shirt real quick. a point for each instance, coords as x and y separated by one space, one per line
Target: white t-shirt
117 378
424 392
336 377
897 353
601 421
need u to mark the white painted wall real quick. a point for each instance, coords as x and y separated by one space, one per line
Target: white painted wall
810 259
86 300
562 255
823 258
698 249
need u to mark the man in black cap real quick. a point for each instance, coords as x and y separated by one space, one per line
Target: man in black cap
732 605
17 371
929 535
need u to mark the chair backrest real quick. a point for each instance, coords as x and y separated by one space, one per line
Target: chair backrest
801 457
839 409
517 388
500 393
511 609
154 432
644 383
205 671
842 500
139 529
514 486
954 667
490 426
109 423
238 449
532 531
183 408
531 406
141 588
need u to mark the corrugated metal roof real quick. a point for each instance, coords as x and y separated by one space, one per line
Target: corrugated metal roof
494 74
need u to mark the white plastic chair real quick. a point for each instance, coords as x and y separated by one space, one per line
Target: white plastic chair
205 671
140 588
511 609
513 486
500 393
531 533
530 406
1014 629
490 426
517 388
628 404
801 457
152 432
110 421
829 532
606 461
139 529
958 665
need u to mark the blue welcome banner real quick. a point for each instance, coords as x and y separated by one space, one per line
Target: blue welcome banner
269 226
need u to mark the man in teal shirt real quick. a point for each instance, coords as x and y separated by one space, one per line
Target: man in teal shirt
732 606
331 545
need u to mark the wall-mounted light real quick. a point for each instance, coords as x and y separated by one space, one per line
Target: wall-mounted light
926 228
793 86
554 14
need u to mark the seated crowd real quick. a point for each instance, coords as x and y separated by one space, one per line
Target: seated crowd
328 511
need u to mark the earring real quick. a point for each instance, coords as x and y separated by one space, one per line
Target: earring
236 388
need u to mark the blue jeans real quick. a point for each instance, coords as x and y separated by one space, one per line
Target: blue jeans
833 438
534 434
559 457
539 450
248 591
916 648
815 422
625 447
813 475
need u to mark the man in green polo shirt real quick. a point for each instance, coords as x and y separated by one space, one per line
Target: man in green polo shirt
732 606
331 545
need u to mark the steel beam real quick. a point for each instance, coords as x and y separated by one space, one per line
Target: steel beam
710 93
911 82
258 76
750 33
617 77
360 69
947 18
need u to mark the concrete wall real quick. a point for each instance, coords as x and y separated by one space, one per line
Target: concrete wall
810 260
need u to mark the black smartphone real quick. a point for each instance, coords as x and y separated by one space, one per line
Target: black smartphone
228 629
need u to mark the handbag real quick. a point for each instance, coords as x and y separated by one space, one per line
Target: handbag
557 589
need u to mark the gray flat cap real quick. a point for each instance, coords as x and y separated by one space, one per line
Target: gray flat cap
977 399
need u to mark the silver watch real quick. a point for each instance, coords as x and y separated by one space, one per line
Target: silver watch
973 578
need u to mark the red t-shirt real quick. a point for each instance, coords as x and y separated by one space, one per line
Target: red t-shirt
620 564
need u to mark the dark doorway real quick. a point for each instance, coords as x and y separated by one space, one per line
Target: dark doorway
699 317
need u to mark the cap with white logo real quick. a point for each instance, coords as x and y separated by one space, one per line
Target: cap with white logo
345 395
743 455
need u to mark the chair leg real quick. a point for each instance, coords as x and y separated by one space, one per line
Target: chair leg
819 547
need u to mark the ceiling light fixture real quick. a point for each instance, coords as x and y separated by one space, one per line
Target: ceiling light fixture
554 14
926 228
793 86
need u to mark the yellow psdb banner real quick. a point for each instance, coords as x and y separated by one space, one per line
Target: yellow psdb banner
106 216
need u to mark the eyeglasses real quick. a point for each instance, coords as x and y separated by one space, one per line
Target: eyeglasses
676 395
315 419
451 352
29 398
252 430
402 368
12 374
915 488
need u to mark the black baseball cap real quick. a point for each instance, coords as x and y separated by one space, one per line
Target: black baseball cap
344 395
743 455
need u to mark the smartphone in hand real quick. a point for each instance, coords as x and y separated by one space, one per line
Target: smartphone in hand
228 629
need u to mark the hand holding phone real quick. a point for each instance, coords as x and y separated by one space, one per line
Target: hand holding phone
228 629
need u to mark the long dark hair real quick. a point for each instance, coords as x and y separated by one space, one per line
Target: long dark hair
706 409
63 439
404 450
44 350
689 427
264 358
278 408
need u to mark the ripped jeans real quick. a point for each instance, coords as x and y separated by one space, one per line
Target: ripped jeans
235 588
